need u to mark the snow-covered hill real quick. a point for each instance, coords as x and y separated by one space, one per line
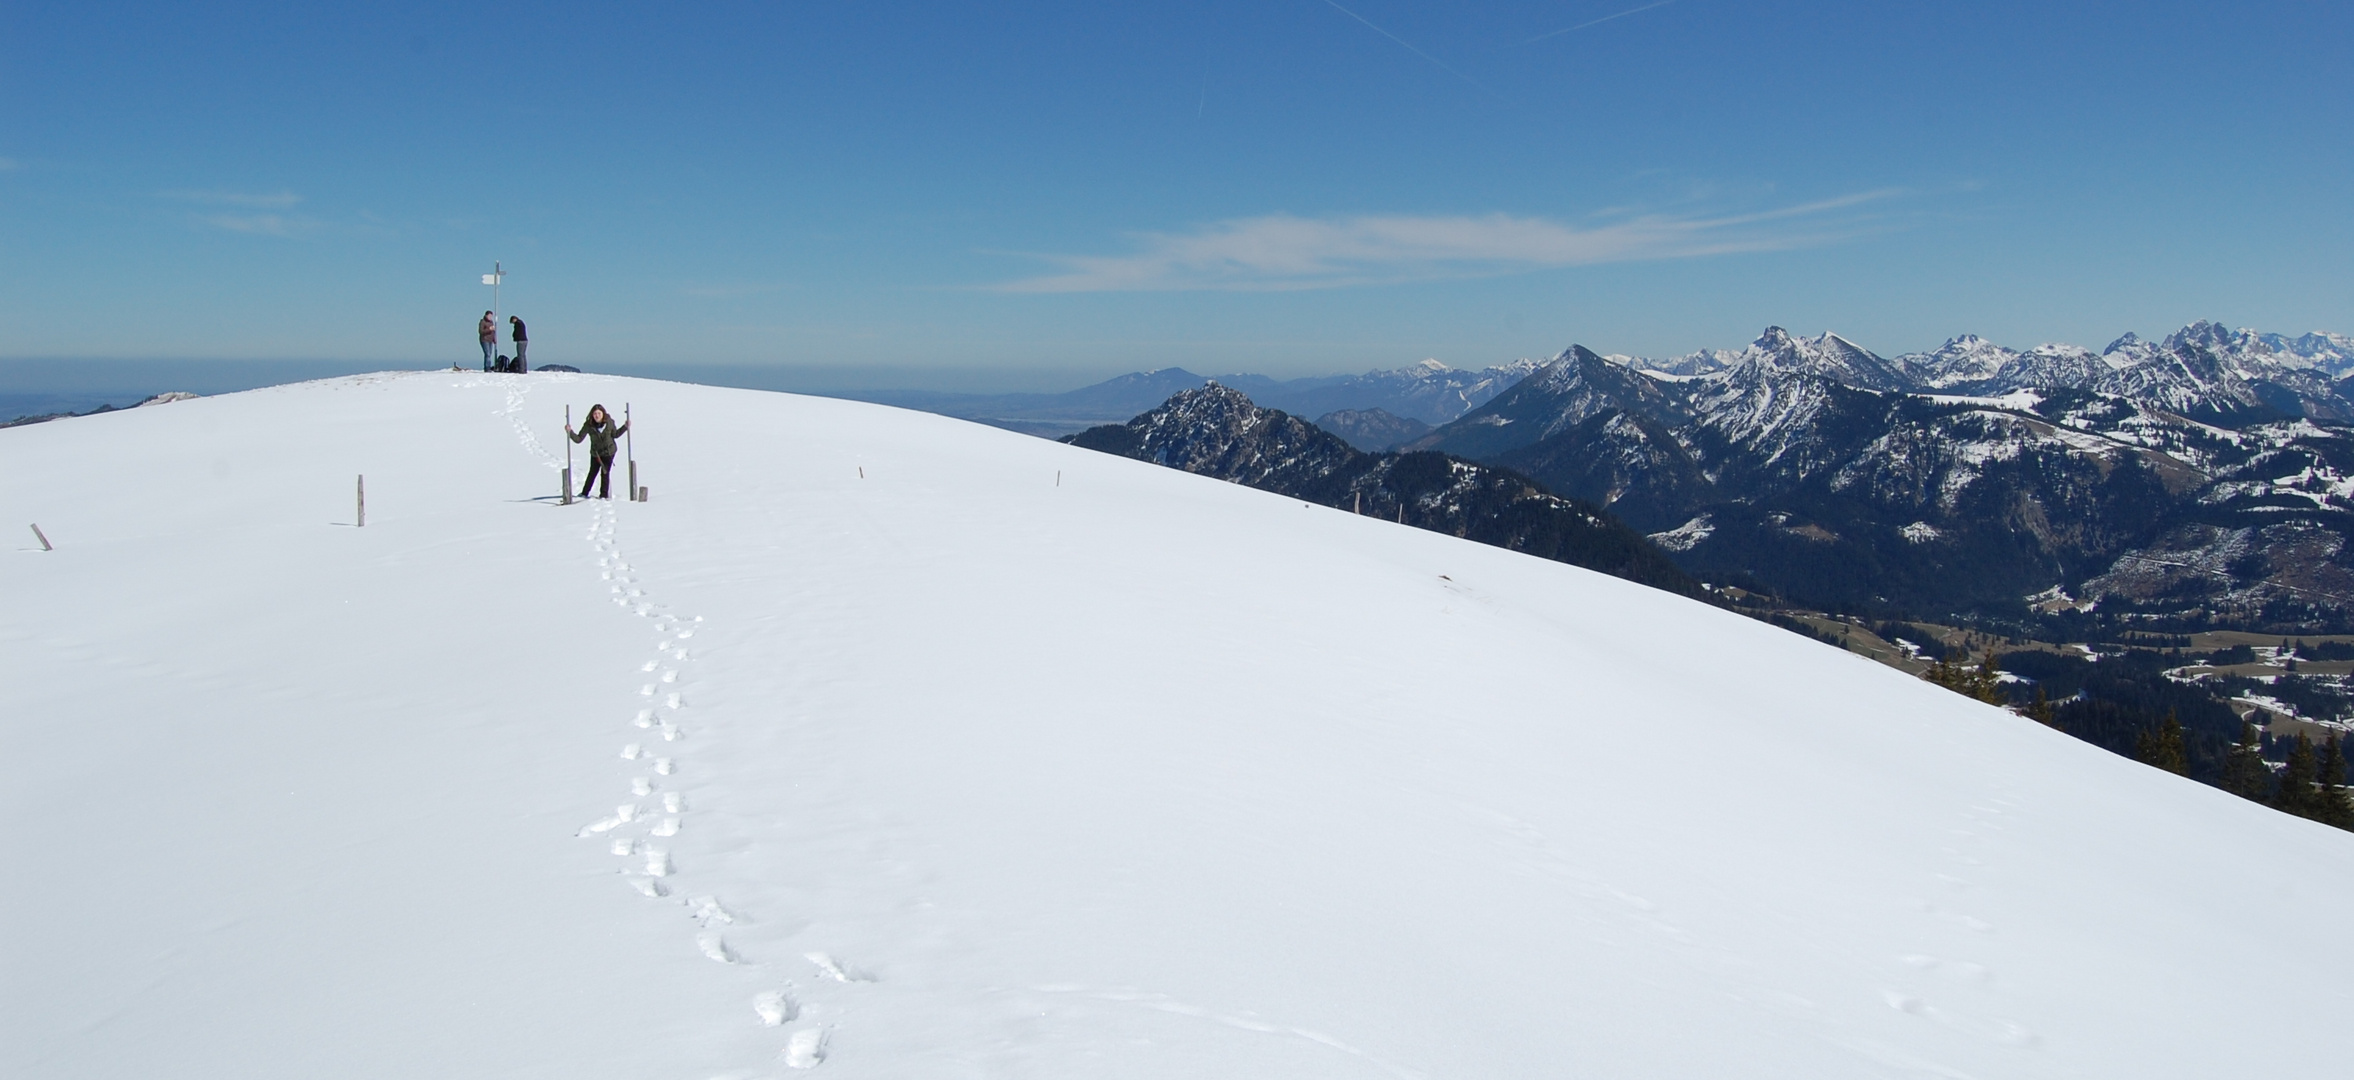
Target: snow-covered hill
895 746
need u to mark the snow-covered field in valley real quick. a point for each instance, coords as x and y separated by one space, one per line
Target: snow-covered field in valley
868 746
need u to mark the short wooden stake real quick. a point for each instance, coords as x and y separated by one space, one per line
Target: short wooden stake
1357 506
1401 513
38 535
642 494
1058 478
862 472
363 493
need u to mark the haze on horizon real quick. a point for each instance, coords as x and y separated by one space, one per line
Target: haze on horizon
1053 193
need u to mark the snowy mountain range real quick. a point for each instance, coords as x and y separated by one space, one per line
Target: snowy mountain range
2202 479
879 744
1427 392
1216 431
2202 371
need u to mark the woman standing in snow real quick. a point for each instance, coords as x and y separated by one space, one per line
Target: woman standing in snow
601 432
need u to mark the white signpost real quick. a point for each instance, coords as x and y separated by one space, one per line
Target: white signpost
492 279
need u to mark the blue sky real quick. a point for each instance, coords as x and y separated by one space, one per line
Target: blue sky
1039 194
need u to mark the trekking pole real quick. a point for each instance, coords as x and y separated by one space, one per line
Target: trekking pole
629 436
567 455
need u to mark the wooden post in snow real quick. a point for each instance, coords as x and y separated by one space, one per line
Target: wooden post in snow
44 539
567 492
363 494
629 434
1357 506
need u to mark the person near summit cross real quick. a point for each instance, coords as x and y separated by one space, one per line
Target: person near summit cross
601 432
488 331
515 334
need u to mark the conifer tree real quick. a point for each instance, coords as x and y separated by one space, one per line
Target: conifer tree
2329 792
2296 781
2042 712
2244 771
2164 748
1982 682
1943 674
1986 683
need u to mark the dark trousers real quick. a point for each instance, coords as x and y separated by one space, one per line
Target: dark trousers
599 466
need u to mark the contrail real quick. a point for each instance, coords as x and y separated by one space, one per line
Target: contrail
1580 26
1410 45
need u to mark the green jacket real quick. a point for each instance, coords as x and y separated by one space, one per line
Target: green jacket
600 436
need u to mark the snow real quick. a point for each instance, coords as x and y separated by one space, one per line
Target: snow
880 744
1686 536
2024 400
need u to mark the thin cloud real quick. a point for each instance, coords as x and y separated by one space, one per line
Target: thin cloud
736 291
1598 22
1280 252
1408 44
277 200
261 224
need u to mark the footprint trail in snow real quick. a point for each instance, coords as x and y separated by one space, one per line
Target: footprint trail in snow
657 810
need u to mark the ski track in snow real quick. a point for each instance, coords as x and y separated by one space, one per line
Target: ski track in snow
1164 1003
647 865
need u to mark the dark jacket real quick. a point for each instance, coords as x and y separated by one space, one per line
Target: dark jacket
600 436
515 325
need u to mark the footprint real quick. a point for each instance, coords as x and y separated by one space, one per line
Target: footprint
624 846
648 691
658 863
662 765
673 802
707 911
626 813
674 701
715 947
639 785
645 718
666 827
602 825
649 666
776 1007
806 1049
836 970
631 752
650 887
670 676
